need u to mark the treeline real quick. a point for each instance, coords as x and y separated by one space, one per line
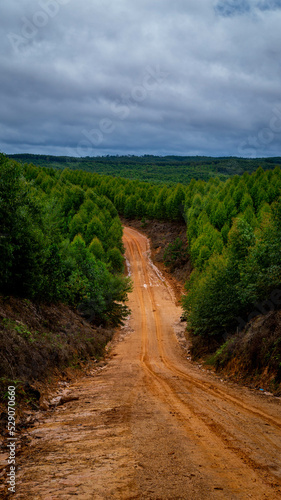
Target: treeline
60 241
234 234
155 169
133 199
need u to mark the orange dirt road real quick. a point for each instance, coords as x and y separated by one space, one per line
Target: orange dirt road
152 425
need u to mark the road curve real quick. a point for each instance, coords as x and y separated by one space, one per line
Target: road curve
150 424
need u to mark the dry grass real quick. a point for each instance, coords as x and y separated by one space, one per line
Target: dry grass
254 354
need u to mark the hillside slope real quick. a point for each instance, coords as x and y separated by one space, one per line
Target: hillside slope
38 341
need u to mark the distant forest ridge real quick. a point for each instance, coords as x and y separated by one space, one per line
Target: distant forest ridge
155 169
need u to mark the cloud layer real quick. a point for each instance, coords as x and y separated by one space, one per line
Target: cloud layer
103 77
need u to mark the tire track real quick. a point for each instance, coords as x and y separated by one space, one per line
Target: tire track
162 373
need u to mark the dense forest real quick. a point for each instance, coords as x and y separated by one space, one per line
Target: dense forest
61 239
234 239
60 242
155 169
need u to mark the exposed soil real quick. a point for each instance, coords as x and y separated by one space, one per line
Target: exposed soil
40 344
150 424
161 234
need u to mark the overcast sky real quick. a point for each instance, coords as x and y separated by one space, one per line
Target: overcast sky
97 77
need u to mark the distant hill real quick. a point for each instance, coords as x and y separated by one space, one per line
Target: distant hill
155 169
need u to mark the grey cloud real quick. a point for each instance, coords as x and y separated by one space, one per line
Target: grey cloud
230 8
142 77
269 4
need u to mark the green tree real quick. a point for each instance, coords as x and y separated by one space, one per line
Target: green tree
114 235
212 302
96 249
175 203
130 210
116 260
76 226
220 216
22 242
240 239
94 229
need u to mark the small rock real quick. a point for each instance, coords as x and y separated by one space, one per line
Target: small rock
44 405
55 401
67 399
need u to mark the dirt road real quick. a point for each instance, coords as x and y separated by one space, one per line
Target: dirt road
152 425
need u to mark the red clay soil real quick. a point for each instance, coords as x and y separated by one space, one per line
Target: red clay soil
161 234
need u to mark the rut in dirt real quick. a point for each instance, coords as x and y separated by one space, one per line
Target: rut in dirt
150 424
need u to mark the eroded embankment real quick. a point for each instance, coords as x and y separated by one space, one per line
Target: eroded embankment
39 341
